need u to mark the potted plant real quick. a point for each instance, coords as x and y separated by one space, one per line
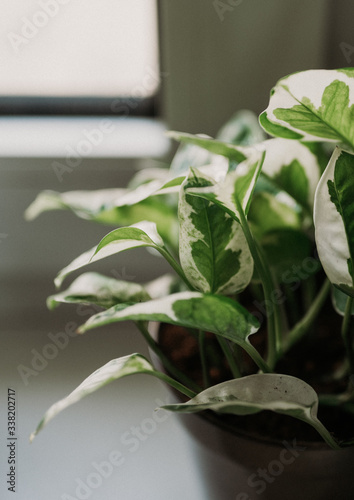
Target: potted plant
260 235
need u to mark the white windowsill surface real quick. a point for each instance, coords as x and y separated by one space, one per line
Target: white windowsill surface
94 137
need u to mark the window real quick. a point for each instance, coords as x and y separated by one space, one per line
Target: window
61 56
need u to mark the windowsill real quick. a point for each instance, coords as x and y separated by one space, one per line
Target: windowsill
94 137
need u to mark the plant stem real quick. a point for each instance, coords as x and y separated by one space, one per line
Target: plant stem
309 291
165 361
306 321
229 357
346 333
272 312
321 429
203 358
175 384
257 358
174 264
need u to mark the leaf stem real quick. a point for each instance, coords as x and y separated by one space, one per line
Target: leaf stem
175 384
174 264
203 358
229 357
346 333
170 367
302 326
324 433
257 358
272 313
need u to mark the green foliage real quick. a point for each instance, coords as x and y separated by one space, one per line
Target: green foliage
239 217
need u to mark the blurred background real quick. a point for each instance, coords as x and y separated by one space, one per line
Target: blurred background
87 91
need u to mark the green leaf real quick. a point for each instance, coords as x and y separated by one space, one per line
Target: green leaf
113 370
143 234
234 193
85 204
192 155
94 288
213 250
146 175
251 394
293 167
339 301
334 221
268 213
232 152
164 285
242 129
117 207
213 313
314 105
284 249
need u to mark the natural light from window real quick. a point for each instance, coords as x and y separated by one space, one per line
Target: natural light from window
75 48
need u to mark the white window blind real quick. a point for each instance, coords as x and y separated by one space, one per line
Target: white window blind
73 48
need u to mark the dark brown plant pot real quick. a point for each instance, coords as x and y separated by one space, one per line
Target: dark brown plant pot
241 465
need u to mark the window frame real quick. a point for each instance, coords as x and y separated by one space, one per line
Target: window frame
79 106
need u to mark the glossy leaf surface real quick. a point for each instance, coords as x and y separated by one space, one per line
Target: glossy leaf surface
213 250
314 105
94 288
334 221
143 234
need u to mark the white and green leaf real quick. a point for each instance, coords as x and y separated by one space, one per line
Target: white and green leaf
242 129
192 155
85 204
334 221
103 291
113 370
286 248
148 174
293 167
164 285
214 253
214 313
234 193
314 105
268 212
339 301
117 207
266 391
143 234
217 147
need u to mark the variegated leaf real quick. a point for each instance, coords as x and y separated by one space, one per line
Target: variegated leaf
94 288
231 151
339 301
143 234
334 220
85 204
314 105
213 313
213 250
117 207
267 212
216 171
146 175
164 285
113 370
265 391
293 167
242 129
235 192
286 249
192 155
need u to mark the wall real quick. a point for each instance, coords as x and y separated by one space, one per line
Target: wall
222 56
